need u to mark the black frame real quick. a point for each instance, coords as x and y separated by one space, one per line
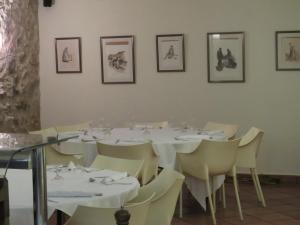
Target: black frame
276 53
208 58
133 59
183 52
79 52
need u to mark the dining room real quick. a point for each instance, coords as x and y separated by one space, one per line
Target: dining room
171 87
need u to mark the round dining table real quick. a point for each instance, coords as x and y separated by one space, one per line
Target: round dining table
68 187
166 143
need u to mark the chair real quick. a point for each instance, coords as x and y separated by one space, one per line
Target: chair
85 215
212 158
74 127
52 153
167 186
132 167
139 151
153 125
247 154
229 130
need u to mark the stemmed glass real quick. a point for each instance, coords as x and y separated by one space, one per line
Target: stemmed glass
57 175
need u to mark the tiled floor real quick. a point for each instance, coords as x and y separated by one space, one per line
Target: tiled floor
283 207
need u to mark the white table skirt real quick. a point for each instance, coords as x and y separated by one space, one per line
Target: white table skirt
113 195
166 143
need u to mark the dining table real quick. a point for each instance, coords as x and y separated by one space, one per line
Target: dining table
68 187
166 143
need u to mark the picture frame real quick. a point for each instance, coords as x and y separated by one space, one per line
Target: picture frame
68 55
226 57
287 45
117 59
170 53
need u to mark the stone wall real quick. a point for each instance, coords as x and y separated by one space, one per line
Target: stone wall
19 66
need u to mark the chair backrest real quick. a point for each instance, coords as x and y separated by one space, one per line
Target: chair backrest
167 186
139 151
153 125
211 157
131 166
73 127
53 156
249 148
105 216
229 130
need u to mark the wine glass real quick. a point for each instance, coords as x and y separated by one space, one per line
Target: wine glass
57 175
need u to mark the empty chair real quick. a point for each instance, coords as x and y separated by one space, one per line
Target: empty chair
229 130
74 127
153 125
247 154
85 215
212 158
52 154
167 186
139 151
132 167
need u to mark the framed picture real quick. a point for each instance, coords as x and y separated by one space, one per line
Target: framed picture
287 50
226 57
68 55
170 53
117 59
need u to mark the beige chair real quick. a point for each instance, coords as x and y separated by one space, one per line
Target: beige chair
139 151
212 158
131 166
74 127
247 154
52 153
153 125
167 186
229 130
85 215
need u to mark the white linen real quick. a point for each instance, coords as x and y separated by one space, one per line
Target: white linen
166 143
74 182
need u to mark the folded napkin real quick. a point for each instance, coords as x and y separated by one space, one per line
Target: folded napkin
192 137
69 194
71 166
115 177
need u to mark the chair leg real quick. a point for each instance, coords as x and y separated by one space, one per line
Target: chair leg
212 211
237 195
213 194
255 185
180 205
224 196
259 188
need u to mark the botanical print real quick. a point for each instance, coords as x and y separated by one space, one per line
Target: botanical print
170 53
288 50
66 57
227 60
117 59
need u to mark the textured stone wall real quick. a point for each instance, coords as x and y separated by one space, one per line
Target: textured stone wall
19 66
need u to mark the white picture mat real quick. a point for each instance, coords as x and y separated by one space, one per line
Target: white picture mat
283 48
72 46
164 44
113 75
234 42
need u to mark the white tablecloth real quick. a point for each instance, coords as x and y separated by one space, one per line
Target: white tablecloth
166 143
114 194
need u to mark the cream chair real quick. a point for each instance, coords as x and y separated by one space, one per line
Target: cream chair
74 127
167 186
140 151
229 130
212 158
247 154
153 125
131 166
85 215
52 153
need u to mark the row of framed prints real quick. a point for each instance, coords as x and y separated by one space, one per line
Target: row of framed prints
225 54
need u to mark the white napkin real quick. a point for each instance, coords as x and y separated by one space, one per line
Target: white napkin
69 194
71 166
116 177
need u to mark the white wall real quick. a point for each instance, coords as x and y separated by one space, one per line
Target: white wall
269 99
